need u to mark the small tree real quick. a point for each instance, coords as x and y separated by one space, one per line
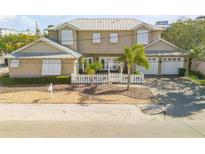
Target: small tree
134 55
93 67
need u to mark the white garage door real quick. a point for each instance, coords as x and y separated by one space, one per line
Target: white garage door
153 70
170 65
51 67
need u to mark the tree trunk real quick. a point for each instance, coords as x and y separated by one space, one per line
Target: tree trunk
190 63
128 79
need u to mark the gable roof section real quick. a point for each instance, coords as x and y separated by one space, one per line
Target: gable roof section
148 26
65 50
164 41
104 24
56 27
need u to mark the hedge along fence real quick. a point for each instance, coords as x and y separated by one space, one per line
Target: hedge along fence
6 80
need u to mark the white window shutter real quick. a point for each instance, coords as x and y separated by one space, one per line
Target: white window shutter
67 37
113 37
96 37
142 37
51 67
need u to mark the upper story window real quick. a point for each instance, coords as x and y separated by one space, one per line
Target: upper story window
96 37
142 36
113 37
67 37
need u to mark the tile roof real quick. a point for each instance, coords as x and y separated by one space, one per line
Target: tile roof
104 24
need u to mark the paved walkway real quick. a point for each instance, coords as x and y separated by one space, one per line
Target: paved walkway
93 121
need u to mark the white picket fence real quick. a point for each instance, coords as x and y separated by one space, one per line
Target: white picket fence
106 78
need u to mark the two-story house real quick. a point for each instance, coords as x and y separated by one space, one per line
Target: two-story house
101 39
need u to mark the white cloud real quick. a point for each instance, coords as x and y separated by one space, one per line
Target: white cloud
19 22
25 20
6 17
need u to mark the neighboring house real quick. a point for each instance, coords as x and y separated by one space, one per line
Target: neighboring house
27 32
95 39
7 31
162 24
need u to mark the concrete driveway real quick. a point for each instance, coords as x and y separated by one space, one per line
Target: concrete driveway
183 96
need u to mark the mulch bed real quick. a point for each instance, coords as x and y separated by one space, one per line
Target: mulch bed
109 89
105 89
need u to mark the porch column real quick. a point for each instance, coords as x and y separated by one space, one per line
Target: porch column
75 67
121 67
108 67
83 67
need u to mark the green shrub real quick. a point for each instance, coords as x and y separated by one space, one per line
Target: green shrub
6 80
202 82
197 77
137 72
94 67
198 74
90 71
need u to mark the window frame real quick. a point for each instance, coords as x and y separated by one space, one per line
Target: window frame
14 64
94 39
141 39
67 40
116 37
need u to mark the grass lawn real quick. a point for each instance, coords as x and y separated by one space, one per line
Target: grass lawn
79 94
6 81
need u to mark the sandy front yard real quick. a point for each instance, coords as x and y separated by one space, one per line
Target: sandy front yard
79 94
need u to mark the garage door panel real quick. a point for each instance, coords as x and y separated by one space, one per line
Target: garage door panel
170 66
153 70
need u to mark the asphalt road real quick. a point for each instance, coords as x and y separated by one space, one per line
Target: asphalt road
94 121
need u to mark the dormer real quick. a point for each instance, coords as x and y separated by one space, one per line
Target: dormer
145 34
65 34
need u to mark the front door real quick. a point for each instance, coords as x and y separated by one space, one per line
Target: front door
109 63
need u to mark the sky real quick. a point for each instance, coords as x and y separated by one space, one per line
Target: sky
23 22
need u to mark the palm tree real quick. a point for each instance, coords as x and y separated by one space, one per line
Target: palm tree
134 55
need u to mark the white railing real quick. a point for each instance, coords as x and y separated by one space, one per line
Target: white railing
106 78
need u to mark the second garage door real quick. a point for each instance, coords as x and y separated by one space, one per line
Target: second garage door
170 65
153 70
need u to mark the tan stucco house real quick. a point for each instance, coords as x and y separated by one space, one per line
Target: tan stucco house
94 40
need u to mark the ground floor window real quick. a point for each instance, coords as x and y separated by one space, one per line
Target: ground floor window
51 67
109 63
88 59
14 63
